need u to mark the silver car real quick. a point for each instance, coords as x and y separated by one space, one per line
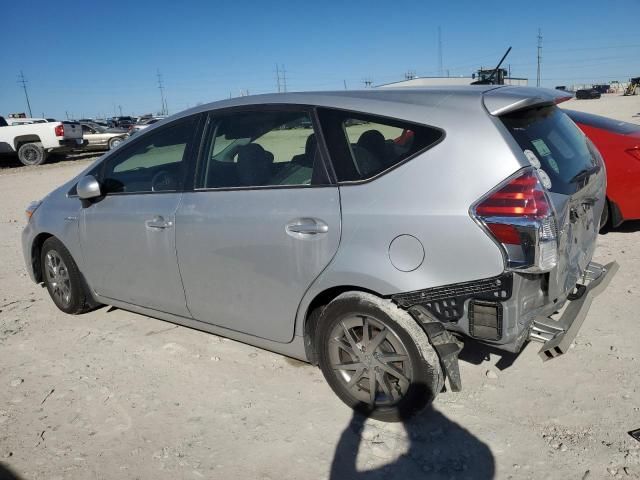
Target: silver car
402 223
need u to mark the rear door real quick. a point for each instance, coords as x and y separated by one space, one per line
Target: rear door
572 171
261 224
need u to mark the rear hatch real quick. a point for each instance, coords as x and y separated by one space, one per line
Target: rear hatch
573 174
72 130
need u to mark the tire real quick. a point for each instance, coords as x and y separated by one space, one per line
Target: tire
605 222
64 281
32 154
406 370
114 142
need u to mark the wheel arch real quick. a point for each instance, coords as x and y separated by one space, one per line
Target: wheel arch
22 139
314 309
36 249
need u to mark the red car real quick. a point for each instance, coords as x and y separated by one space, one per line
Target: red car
619 144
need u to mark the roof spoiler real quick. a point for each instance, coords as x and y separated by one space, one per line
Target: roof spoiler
501 101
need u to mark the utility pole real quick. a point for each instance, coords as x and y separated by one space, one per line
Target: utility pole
278 77
539 56
23 81
163 101
440 69
345 84
409 75
367 82
120 107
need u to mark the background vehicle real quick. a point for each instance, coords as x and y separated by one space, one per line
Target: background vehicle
588 94
144 123
99 138
367 256
34 141
619 144
121 122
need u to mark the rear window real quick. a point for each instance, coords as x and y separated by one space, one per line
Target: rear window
554 145
604 123
363 146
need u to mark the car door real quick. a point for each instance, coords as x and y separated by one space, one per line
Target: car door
128 235
261 224
90 135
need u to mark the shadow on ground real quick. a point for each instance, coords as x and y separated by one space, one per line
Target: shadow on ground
438 449
11 161
7 474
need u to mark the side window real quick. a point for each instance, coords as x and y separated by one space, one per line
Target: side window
87 129
362 146
155 162
256 149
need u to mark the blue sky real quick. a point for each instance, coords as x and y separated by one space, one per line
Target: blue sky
88 58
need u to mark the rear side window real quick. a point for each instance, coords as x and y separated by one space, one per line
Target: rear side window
604 123
363 146
554 144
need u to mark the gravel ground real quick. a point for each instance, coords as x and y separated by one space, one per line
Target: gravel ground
112 394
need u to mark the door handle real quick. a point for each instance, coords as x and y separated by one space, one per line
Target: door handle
158 222
307 226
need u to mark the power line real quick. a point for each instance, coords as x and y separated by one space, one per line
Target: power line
163 105
23 81
539 56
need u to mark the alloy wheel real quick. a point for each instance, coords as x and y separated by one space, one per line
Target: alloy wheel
370 360
58 277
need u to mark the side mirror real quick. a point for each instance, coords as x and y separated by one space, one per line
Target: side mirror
88 188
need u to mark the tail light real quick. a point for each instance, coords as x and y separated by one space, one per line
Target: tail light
519 216
60 130
634 152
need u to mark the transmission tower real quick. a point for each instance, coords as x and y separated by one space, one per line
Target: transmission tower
284 79
278 77
23 81
367 82
539 56
163 101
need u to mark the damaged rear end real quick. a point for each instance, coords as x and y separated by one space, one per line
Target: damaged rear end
545 218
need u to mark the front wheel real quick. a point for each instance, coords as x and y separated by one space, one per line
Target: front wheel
63 279
114 142
376 358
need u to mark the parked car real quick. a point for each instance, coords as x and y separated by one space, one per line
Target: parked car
619 143
587 94
33 142
367 257
99 138
145 123
121 122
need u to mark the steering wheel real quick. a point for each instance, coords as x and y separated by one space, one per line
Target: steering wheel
163 181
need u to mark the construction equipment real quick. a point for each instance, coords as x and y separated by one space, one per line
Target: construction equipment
632 88
495 76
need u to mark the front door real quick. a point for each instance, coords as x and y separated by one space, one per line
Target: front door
261 224
128 236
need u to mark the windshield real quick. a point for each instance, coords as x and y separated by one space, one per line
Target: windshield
554 145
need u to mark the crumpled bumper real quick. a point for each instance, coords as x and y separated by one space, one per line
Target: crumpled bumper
558 334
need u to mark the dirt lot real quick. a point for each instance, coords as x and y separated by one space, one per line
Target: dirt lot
113 394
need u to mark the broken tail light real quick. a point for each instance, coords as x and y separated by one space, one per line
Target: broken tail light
518 215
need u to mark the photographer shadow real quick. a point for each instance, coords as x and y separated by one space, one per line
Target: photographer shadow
437 449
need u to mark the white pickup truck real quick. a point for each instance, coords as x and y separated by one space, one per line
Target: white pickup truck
34 141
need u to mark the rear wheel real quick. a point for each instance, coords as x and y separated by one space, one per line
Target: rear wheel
32 154
376 358
63 279
604 218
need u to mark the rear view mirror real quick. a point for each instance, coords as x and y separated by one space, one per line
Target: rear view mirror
88 188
